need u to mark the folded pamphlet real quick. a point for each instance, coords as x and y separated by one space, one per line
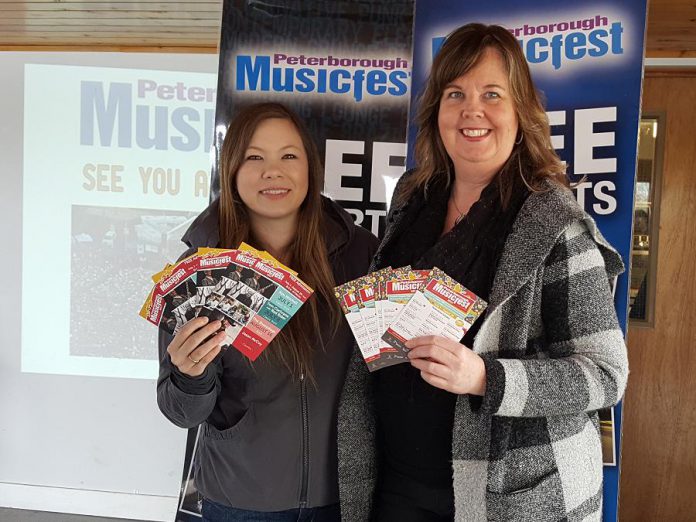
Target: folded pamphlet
386 308
251 293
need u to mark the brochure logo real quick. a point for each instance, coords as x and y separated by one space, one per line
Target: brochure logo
360 78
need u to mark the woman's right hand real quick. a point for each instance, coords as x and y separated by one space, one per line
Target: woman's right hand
189 350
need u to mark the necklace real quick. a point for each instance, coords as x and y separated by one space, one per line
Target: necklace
461 214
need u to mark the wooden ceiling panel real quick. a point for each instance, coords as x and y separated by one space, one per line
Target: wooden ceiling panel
671 28
101 25
180 25
138 5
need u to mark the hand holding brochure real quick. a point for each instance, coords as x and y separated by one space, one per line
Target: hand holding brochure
251 293
386 308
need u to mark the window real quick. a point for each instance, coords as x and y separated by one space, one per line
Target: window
646 220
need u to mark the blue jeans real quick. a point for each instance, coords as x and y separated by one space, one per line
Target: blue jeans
214 512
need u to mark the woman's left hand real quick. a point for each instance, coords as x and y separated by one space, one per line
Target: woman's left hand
447 364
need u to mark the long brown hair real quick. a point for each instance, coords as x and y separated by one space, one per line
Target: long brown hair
533 158
293 346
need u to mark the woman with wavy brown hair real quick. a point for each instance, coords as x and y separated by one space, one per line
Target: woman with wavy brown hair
502 425
268 445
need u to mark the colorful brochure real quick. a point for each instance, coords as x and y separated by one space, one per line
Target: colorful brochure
350 304
365 294
399 288
387 307
441 306
252 294
265 255
381 305
169 302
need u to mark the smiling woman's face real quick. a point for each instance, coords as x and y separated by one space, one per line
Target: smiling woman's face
273 179
477 119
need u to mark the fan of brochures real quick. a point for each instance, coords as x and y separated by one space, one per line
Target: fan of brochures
386 308
251 293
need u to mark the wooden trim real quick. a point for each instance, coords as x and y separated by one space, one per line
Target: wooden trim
113 48
667 53
50 25
137 5
658 72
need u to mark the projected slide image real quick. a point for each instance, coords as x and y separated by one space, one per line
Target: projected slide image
114 251
112 175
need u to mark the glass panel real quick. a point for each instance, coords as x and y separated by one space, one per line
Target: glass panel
642 260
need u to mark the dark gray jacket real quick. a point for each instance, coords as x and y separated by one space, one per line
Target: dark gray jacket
268 440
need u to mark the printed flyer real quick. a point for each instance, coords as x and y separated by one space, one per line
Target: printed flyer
253 295
386 308
400 286
440 306
350 305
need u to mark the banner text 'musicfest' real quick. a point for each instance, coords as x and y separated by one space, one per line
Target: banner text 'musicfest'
573 40
565 42
359 78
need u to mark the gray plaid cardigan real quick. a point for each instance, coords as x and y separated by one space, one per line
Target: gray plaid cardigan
554 354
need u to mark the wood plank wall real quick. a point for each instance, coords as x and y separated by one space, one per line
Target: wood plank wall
658 470
127 25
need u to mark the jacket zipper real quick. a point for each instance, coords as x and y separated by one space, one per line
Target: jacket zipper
305 440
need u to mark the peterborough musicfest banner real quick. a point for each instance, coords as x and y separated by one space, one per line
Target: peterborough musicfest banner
347 68
587 59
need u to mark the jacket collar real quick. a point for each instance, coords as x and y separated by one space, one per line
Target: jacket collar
542 219
338 227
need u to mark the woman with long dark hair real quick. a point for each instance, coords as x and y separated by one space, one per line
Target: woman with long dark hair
503 425
268 443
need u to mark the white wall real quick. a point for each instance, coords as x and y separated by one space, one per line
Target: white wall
84 443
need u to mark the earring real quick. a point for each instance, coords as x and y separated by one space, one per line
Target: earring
519 140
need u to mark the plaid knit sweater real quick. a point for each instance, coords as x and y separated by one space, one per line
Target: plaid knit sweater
554 354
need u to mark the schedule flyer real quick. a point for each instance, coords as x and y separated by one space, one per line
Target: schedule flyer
440 306
386 308
251 293
400 286
350 303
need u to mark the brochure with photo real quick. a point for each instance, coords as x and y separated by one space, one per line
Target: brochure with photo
253 295
168 305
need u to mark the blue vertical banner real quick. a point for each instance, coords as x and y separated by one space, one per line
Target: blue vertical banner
587 60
